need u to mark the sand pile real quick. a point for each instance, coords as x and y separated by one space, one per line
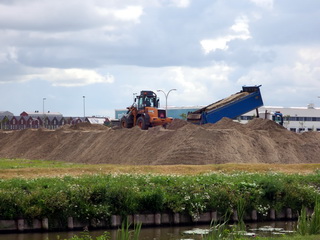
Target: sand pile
259 141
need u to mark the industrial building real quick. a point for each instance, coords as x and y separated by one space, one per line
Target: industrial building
296 119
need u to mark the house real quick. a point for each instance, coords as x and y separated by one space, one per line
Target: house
77 120
13 123
52 122
68 120
4 122
22 122
41 114
6 113
32 122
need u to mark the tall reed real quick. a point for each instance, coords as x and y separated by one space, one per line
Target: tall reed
241 211
217 231
309 225
126 234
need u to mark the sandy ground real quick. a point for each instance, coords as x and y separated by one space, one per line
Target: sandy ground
259 141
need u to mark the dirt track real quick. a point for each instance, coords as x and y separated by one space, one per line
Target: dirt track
259 141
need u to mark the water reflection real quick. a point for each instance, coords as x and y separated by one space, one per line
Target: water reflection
154 233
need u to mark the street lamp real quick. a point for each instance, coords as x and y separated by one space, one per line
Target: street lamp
84 106
43 99
166 95
43 105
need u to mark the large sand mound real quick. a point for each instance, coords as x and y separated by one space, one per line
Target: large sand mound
259 141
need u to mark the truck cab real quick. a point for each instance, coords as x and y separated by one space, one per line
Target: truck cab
278 118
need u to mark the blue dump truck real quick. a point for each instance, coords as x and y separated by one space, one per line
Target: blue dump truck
237 104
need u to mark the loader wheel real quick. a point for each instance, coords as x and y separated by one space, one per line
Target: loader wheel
130 121
123 122
141 122
126 123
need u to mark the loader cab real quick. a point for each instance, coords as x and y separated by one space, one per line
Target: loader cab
147 99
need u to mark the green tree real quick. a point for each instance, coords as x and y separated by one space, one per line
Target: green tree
183 116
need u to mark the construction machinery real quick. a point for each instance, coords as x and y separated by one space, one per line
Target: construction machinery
144 112
274 116
233 106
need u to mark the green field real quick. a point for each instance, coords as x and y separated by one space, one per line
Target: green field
22 168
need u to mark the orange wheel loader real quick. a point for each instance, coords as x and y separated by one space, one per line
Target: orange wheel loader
144 112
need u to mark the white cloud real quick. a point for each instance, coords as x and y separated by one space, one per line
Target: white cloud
129 13
198 86
70 77
310 54
241 26
263 3
293 82
181 3
239 30
60 16
211 45
8 54
71 43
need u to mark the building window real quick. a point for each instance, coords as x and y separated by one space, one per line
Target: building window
292 129
246 118
300 119
301 130
308 119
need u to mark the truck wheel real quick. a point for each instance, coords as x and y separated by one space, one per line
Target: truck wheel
141 122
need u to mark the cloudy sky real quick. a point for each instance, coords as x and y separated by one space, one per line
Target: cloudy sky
108 50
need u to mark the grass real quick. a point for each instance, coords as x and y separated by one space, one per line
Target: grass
24 163
22 168
124 233
291 237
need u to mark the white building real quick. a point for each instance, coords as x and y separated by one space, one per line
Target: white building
296 119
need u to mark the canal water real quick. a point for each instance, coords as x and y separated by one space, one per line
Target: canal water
159 233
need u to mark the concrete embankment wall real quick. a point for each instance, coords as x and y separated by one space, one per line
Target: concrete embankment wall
158 219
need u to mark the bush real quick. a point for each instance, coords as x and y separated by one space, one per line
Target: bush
100 196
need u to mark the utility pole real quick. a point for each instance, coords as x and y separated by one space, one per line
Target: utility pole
84 106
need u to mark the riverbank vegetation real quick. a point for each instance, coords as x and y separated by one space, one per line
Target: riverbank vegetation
101 195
